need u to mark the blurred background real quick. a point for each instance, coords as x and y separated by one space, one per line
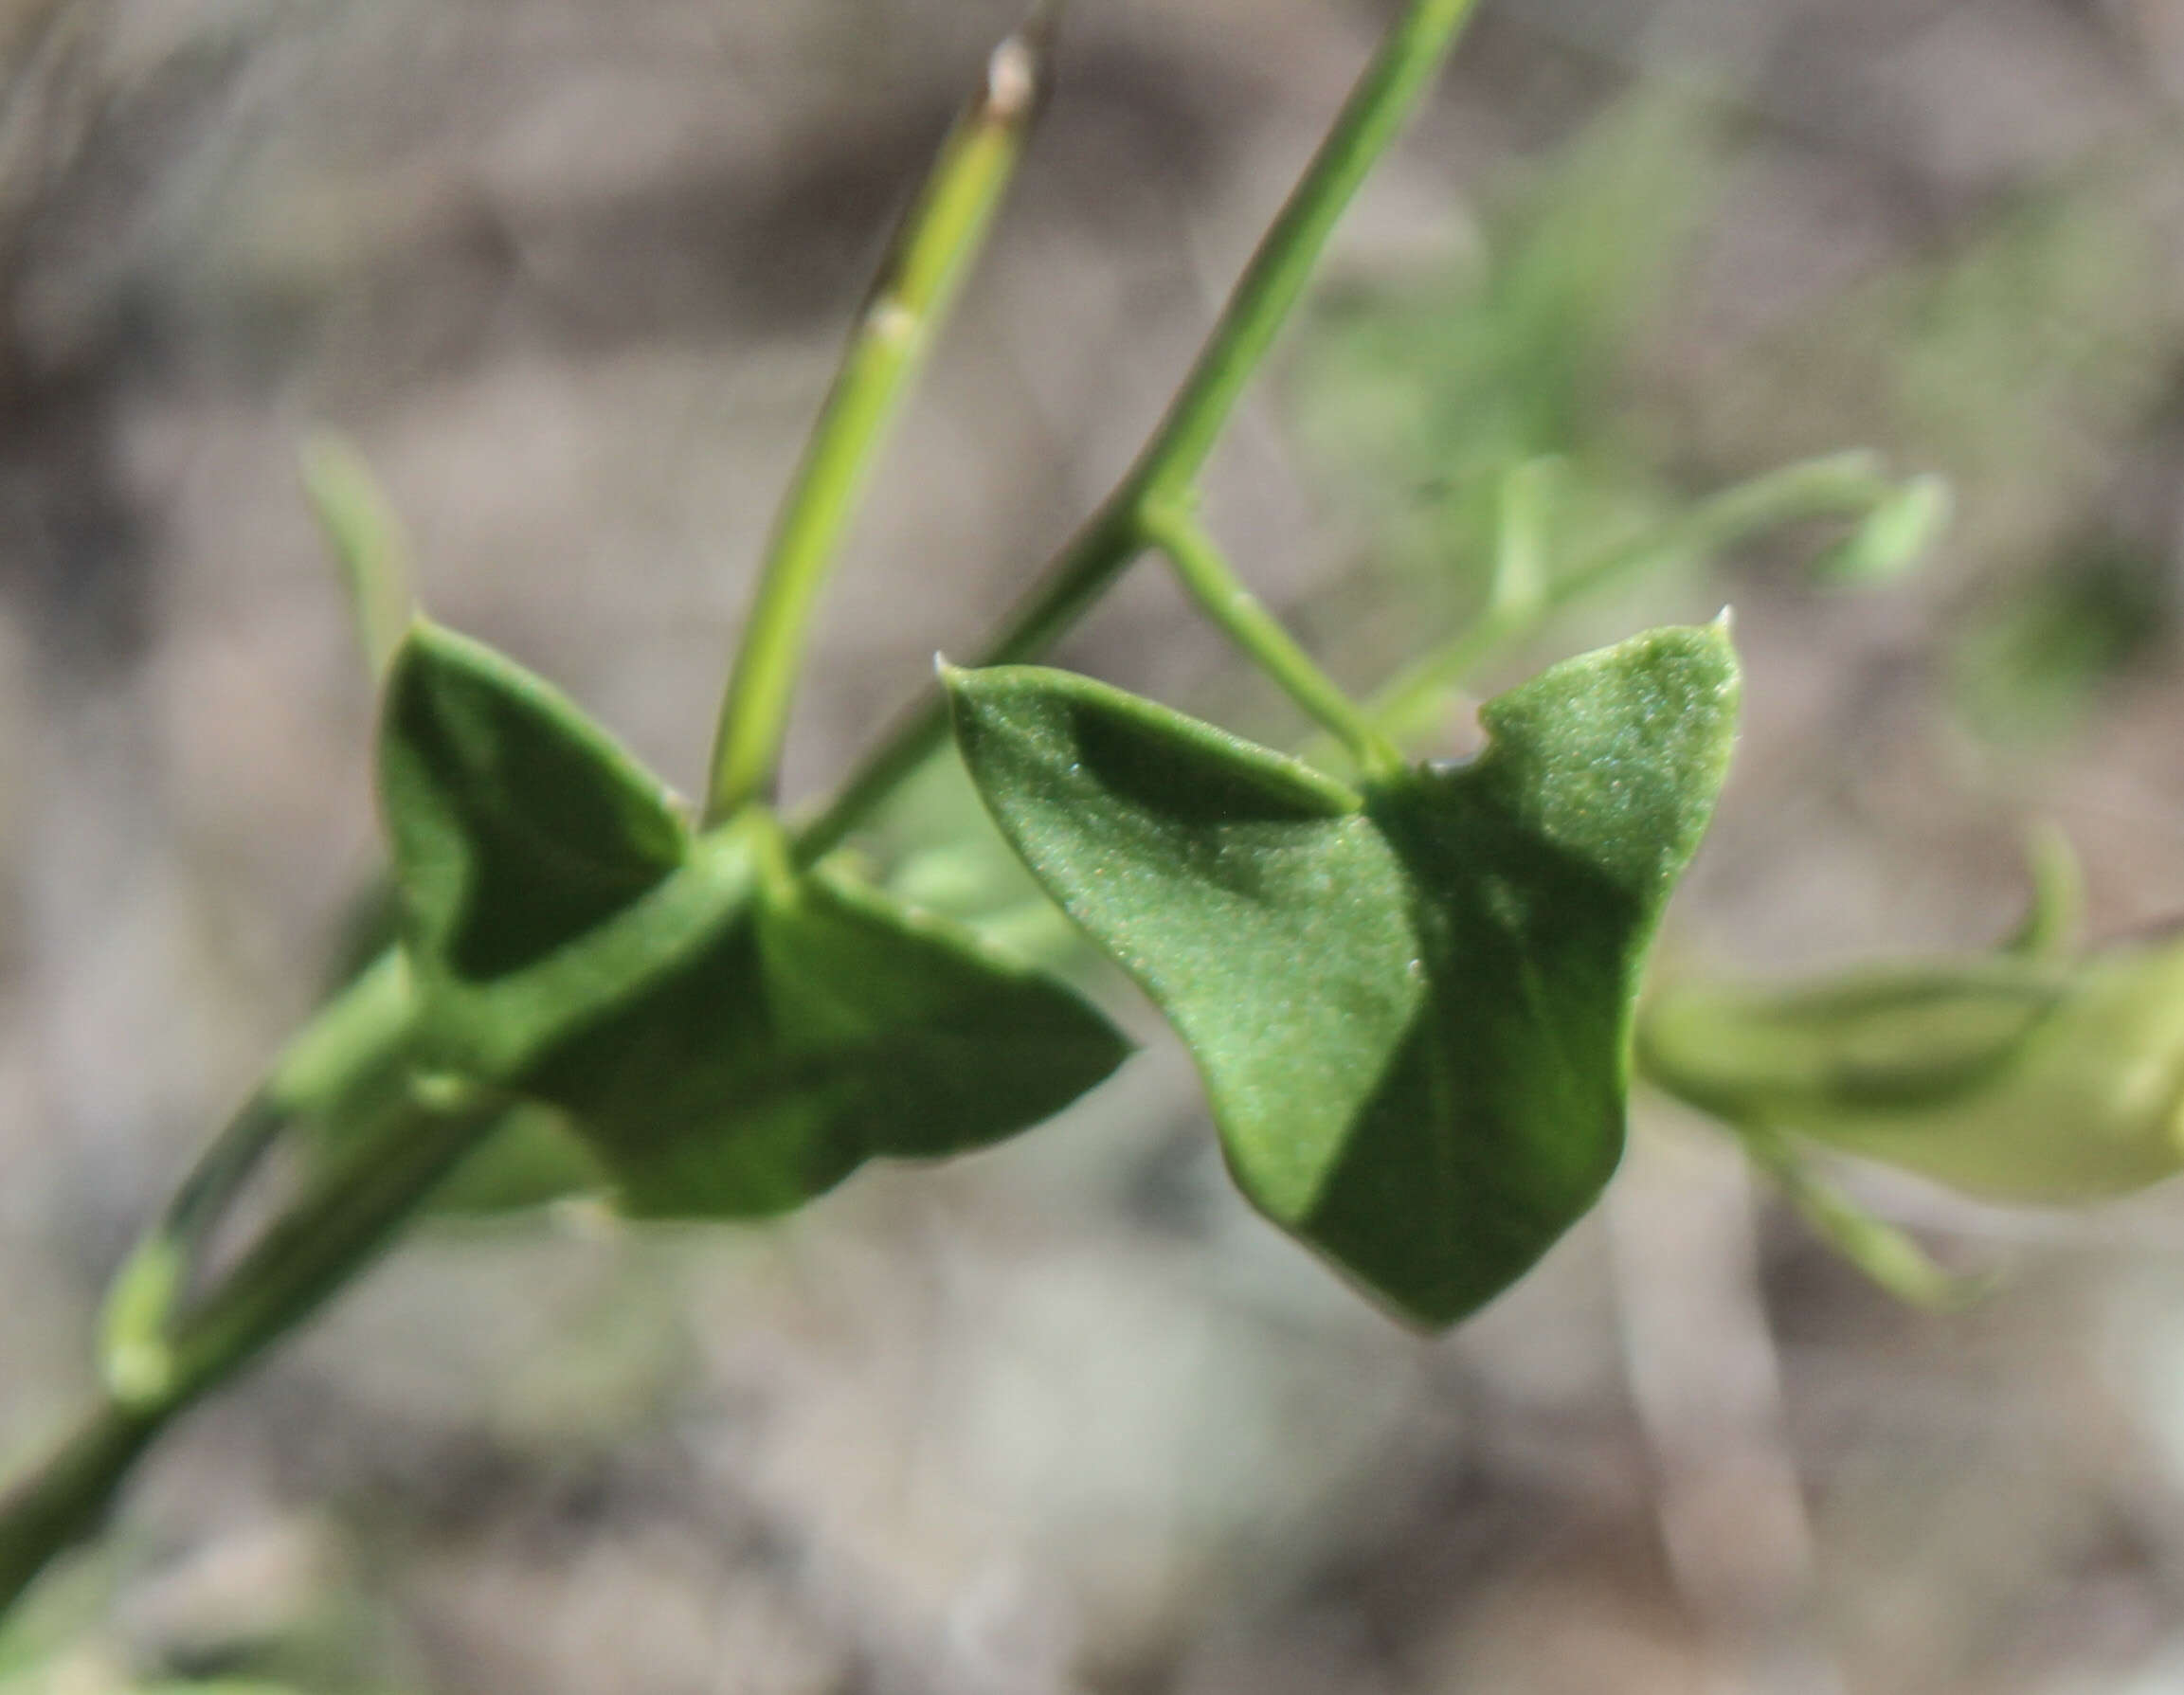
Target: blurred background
1065 1417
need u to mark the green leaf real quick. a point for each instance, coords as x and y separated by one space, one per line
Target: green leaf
2054 926
533 1155
1893 539
1890 1038
729 1037
827 1027
1411 1010
1889 1255
545 877
516 822
2013 1078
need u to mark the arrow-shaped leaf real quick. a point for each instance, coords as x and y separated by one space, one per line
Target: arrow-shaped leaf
828 1028
517 823
729 1037
1411 1010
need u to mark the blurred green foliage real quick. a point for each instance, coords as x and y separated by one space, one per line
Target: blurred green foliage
2034 662
1417 396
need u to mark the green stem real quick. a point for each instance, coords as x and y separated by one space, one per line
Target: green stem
135 1362
1836 486
1213 583
156 1358
1883 1252
346 1216
1078 577
1841 485
2054 923
367 541
1391 87
59 1501
941 236
353 1037
1399 77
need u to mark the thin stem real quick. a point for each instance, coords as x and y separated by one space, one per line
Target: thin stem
1391 87
943 233
348 1216
59 1500
135 1361
1849 484
1839 486
352 1038
1084 569
1890 1256
1399 77
2054 923
1221 593
367 542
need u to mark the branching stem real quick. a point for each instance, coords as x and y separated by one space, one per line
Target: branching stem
1408 60
1175 530
1409 704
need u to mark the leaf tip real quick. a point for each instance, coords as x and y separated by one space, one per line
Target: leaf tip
422 643
1016 70
1895 536
955 681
